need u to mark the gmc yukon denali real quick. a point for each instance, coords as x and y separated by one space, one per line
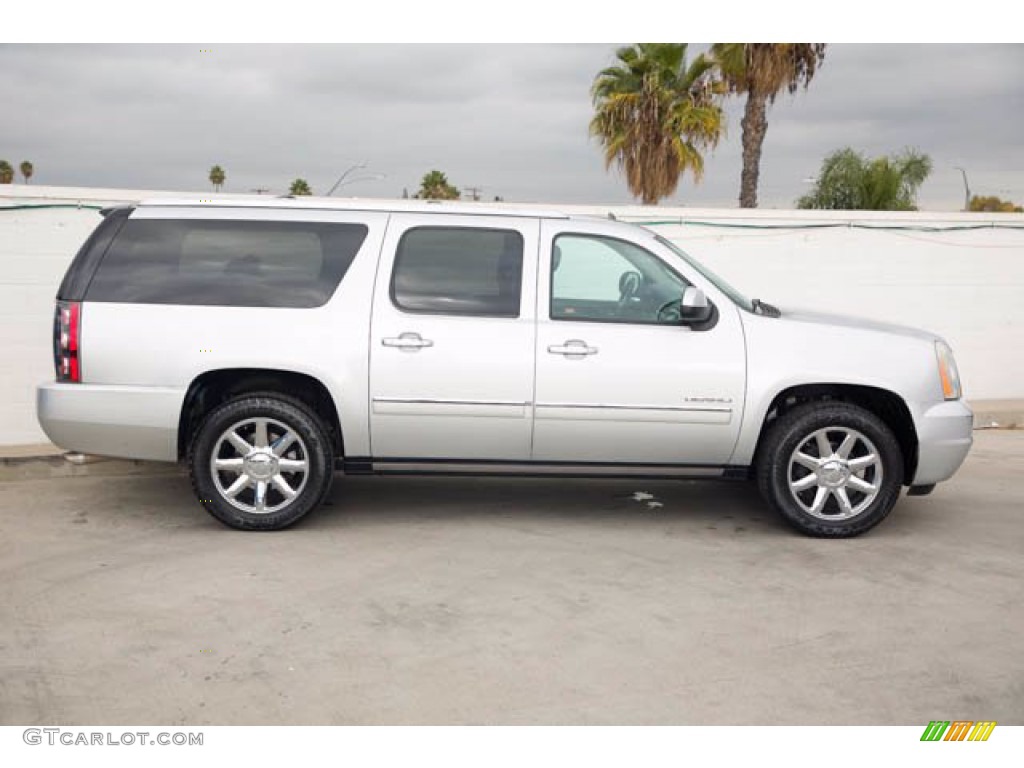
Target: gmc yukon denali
270 343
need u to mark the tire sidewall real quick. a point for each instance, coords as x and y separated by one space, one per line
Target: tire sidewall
295 417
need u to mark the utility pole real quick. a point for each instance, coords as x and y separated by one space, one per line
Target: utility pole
967 189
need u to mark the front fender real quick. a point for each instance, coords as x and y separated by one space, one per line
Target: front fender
784 354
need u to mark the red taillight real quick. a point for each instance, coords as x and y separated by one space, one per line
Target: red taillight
67 332
73 331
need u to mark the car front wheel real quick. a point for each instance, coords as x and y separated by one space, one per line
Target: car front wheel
830 469
261 462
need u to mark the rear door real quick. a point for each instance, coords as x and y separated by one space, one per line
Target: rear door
452 340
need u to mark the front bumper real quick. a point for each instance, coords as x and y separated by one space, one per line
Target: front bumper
944 433
109 420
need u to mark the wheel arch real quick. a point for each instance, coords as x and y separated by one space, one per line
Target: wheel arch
211 388
883 403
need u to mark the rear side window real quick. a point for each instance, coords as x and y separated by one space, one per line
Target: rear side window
459 271
226 263
76 279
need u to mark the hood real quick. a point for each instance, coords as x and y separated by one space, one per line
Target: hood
860 323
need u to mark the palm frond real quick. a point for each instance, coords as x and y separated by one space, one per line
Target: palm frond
654 115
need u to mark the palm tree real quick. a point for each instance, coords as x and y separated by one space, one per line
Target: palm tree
6 172
27 170
300 187
435 186
850 181
761 70
217 177
654 115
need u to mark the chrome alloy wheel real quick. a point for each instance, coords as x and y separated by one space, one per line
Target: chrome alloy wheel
259 465
835 473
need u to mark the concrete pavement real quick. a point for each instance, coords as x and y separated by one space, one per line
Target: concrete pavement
501 601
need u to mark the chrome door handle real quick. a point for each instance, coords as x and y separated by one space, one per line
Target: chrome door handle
407 342
572 348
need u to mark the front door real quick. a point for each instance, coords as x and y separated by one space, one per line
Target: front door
452 340
619 380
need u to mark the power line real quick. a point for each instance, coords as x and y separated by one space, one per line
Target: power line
828 225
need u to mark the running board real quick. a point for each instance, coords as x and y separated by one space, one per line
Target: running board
401 466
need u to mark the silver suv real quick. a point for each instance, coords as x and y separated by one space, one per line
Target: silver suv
268 343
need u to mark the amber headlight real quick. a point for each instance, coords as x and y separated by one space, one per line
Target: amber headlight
948 374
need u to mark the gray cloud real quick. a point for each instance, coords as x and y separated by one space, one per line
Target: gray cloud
509 118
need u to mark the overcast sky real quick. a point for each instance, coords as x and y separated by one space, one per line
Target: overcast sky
511 119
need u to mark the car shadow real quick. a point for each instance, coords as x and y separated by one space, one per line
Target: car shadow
711 505
734 507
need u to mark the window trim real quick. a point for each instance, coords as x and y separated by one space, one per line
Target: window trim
596 236
409 311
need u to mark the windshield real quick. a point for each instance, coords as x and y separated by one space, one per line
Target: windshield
737 298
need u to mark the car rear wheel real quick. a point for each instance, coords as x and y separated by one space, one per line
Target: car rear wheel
261 462
830 469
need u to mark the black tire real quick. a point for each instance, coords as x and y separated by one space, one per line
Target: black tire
312 446
793 430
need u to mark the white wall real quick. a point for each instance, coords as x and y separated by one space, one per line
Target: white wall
967 286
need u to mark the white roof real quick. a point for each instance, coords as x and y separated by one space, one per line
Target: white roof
308 202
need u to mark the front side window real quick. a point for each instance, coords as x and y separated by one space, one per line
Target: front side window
459 271
226 263
603 279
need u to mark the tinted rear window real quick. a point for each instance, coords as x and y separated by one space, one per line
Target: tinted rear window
226 263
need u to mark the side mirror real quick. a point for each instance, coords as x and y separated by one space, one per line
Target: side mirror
694 308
